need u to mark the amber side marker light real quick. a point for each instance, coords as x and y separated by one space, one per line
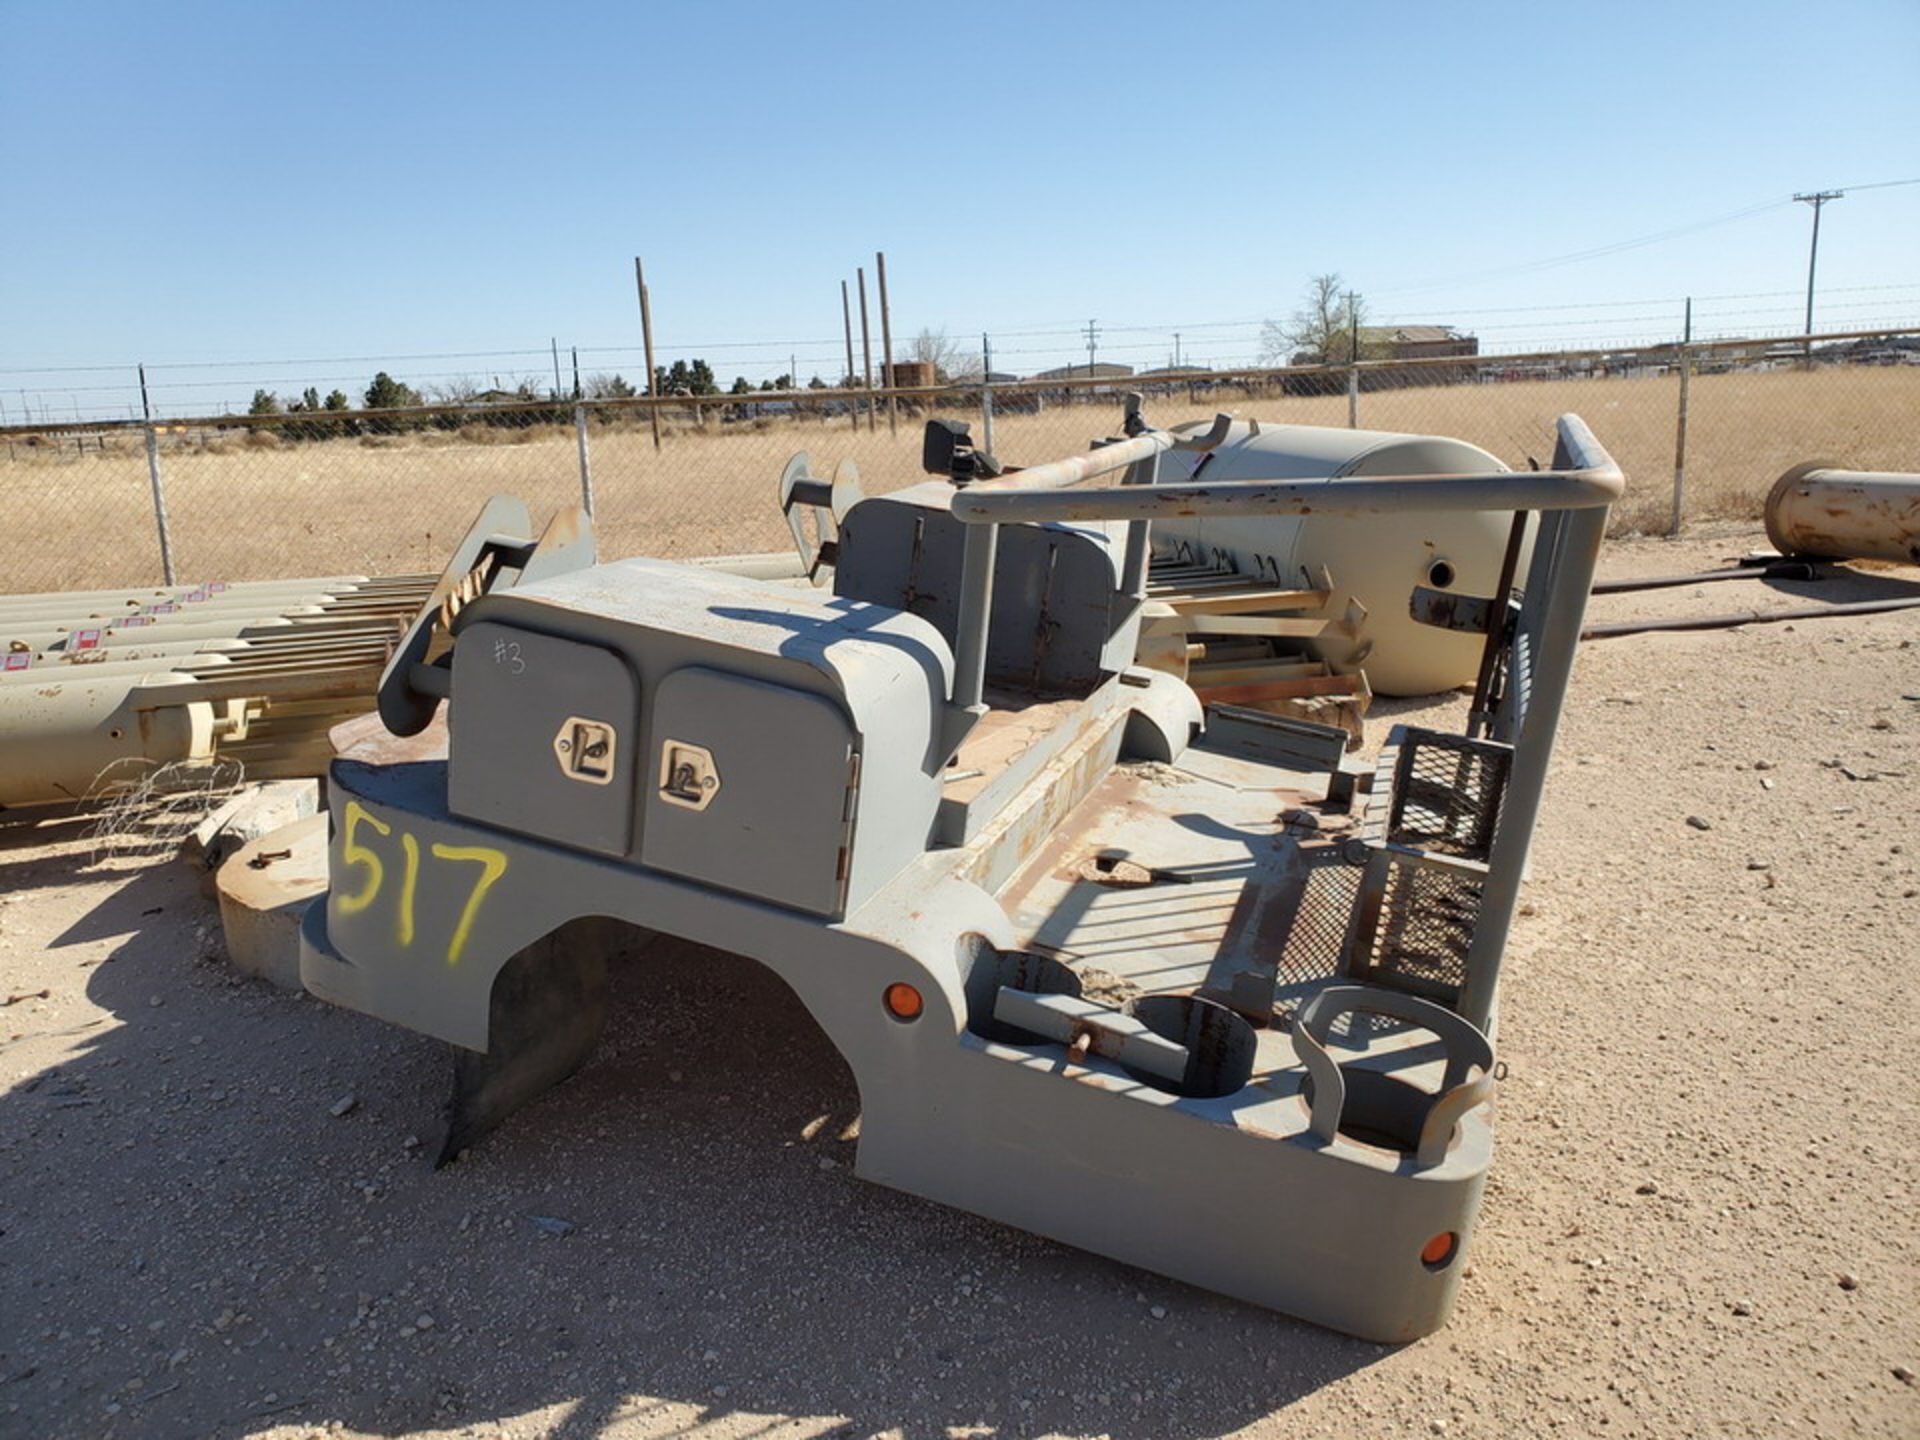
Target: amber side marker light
903 1001
1438 1252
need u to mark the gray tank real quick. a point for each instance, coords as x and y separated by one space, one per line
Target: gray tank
1376 562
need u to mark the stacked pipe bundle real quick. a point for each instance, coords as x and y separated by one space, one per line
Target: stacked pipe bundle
252 672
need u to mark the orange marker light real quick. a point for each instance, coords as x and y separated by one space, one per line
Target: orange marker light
1438 1251
903 1001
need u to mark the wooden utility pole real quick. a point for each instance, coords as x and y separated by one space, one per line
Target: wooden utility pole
646 334
886 342
1817 199
866 345
846 319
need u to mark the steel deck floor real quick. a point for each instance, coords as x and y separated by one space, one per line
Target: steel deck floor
1245 876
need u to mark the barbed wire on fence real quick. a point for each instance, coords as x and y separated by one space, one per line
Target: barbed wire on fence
384 491
43 394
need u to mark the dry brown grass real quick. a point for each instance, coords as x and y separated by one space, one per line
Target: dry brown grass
388 504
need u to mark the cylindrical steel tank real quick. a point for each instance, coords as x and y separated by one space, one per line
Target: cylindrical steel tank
56 738
1829 514
1376 562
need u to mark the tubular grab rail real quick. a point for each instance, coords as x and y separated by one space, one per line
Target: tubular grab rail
1572 500
1585 478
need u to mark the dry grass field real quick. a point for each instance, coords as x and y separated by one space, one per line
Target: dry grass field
247 507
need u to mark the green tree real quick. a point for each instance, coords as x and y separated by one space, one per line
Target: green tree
337 403
265 402
608 387
683 378
741 386
387 393
816 383
307 404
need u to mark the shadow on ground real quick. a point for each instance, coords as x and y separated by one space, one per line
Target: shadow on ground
194 1244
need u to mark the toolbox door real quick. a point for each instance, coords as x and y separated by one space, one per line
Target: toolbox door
541 737
750 787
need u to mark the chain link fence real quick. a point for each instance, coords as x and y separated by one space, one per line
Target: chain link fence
1701 432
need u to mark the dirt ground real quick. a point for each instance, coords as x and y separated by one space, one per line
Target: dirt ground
1701 1218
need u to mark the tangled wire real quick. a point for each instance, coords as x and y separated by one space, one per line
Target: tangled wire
144 811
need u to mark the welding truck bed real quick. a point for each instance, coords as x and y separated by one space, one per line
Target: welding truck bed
1184 987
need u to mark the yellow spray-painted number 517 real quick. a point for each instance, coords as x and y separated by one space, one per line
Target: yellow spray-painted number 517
492 865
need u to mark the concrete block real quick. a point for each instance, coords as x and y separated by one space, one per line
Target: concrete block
255 811
265 888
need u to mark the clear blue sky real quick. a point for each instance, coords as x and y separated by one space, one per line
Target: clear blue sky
242 182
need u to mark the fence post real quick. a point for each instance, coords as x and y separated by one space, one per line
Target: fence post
646 335
986 394
586 464
1680 446
886 344
852 379
156 484
866 345
1353 397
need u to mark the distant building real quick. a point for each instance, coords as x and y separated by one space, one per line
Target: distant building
1167 379
1415 342
915 374
1101 370
1407 342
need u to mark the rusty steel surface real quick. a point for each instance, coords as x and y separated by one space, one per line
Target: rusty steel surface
1820 512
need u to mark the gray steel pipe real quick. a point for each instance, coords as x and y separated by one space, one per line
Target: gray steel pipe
133 597
981 548
1538 490
1056 474
1589 480
1829 514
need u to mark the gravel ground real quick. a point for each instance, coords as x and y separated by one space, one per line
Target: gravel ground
1700 1220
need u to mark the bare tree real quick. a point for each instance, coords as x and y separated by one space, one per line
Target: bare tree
1321 331
609 387
951 360
459 390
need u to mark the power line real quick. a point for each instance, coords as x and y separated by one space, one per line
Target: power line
1574 257
1880 185
1616 247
